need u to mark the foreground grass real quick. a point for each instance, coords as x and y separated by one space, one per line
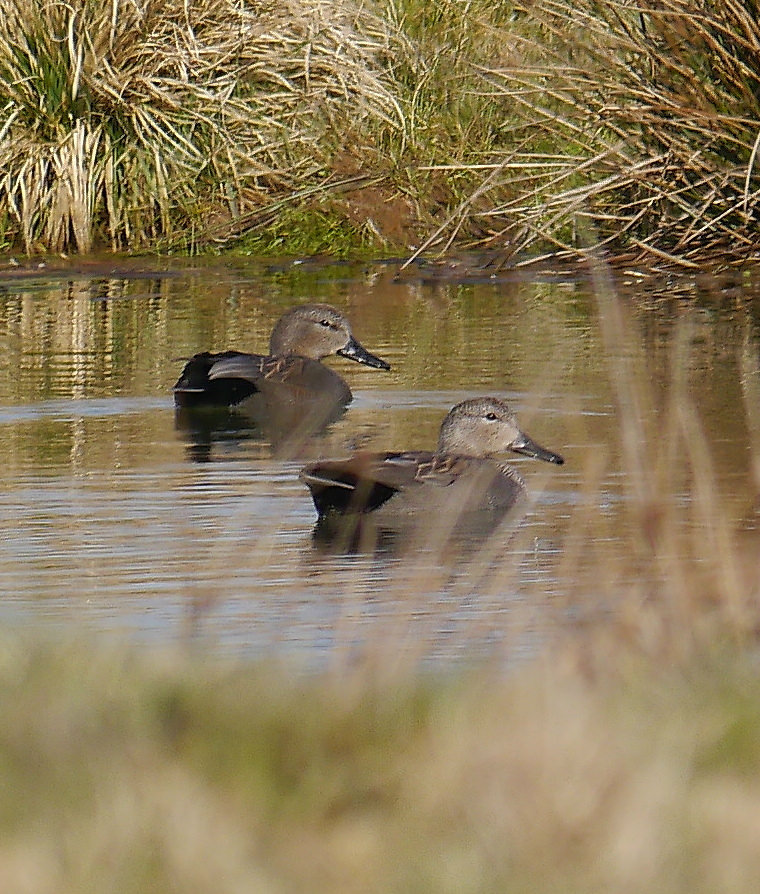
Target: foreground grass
134 772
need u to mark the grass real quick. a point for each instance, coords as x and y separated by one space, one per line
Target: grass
152 125
655 105
309 231
145 773
140 124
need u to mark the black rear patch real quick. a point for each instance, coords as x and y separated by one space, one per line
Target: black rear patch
195 389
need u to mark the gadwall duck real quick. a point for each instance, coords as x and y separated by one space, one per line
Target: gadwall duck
460 477
292 370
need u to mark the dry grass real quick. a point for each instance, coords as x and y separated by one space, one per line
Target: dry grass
639 119
131 122
134 773
305 124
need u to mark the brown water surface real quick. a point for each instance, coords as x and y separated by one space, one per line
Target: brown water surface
114 519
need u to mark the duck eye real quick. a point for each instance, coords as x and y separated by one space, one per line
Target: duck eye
491 417
325 323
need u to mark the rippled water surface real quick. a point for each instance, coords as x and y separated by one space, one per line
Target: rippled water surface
115 519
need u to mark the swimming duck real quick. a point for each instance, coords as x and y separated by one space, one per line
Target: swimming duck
461 476
292 370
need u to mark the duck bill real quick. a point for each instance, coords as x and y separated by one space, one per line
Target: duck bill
354 351
526 445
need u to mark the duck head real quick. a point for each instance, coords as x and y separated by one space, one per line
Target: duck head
486 426
317 331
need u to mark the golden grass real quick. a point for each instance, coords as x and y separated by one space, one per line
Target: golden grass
159 125
639 118
139 773
130 122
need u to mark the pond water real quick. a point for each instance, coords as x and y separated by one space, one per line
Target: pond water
116 520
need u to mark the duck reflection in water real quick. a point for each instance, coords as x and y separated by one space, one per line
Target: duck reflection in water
461 488
284 397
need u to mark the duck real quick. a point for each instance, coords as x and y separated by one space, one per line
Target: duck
463 475
292 371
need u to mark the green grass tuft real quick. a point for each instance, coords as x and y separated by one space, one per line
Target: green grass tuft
308 231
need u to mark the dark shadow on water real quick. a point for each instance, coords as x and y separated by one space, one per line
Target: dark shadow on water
451 539
285 428
204 429
354 535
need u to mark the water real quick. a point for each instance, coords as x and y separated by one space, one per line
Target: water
111 523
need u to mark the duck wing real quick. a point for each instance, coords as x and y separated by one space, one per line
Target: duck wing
285 378
235 365
367 480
